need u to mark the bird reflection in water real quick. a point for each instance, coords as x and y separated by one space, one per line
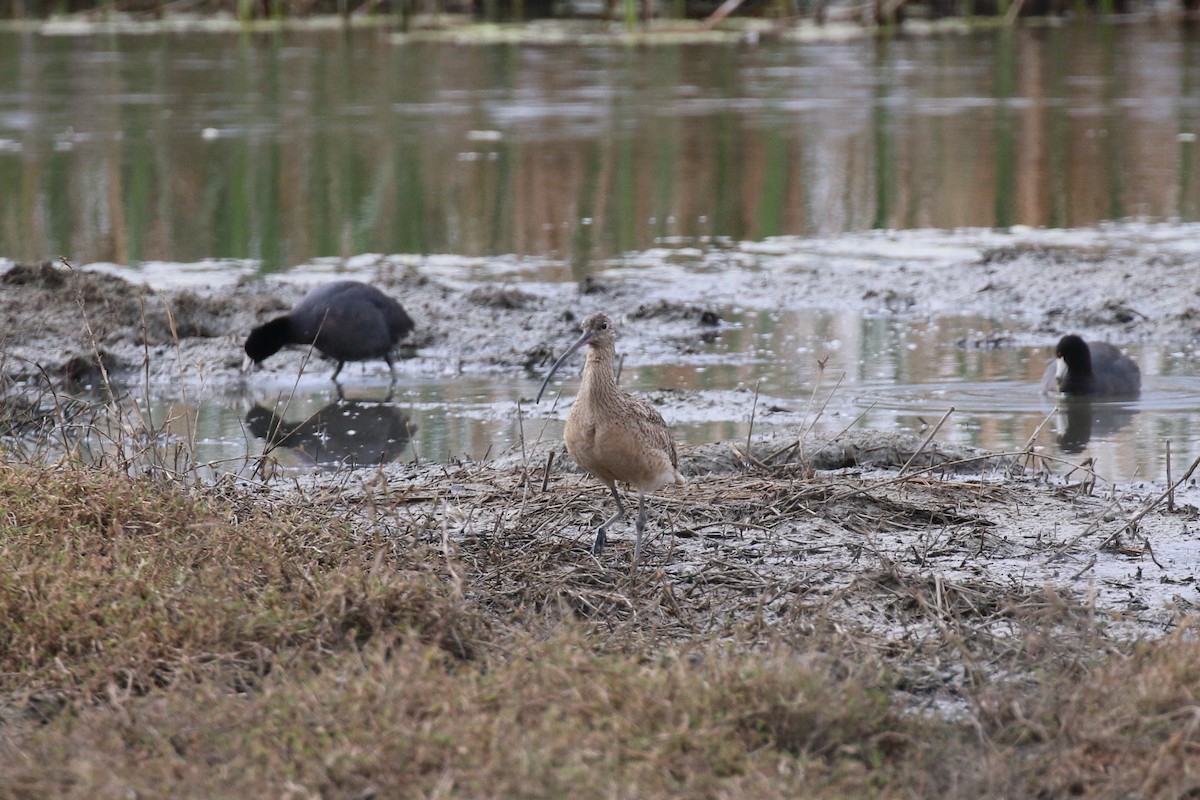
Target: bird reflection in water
1080 419
345 432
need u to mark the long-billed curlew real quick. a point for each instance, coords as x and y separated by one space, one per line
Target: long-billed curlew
612 434
1092 370
344 320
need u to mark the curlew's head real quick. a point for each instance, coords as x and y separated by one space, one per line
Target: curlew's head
598 331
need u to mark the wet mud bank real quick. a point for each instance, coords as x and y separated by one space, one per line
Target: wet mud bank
944 557
890 531
1125 285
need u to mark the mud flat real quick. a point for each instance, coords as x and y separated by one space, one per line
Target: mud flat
1002 527
875 529
1124 283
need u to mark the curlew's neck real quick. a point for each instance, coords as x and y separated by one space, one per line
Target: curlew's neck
598 377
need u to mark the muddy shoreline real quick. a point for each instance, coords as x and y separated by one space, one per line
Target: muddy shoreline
1122 285
998 527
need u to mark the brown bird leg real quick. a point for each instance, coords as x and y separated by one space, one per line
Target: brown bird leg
602 531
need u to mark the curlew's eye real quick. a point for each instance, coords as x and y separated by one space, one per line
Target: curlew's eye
603 326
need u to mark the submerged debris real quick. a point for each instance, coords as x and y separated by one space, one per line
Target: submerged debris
507 298
672 310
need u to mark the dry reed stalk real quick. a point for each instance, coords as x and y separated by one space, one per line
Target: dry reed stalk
1171 492
753 408
928 439
1131 524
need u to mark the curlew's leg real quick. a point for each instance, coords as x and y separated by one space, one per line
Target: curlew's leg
602 531
391 362
641 524
333 377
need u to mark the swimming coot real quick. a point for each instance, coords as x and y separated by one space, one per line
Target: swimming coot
1094 370
344 320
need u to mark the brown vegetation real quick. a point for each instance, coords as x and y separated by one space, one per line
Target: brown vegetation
873 616
435 631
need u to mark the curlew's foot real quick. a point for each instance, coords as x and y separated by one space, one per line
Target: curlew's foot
601 540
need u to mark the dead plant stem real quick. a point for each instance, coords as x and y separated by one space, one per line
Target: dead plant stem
928 439
1136 518
753 409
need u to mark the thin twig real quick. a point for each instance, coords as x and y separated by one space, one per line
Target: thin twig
1038 430
842 432
807 424
1171 492
753 408
1014 10
821 411
549 463
723 11
928 439
1136 518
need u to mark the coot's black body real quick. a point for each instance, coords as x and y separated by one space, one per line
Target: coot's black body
344 321
1094 370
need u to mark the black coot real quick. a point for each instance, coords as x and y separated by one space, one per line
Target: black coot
1094 370
344 320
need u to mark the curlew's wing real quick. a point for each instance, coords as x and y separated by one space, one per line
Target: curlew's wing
651 427
655 438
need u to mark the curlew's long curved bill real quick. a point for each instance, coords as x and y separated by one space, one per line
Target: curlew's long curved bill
580 342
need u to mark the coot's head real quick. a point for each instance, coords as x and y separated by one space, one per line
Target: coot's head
1073 355
266 340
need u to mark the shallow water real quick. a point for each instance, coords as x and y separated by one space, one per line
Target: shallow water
880 373
282 148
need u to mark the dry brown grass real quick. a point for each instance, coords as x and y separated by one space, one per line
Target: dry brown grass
446 634
542 720
113 582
